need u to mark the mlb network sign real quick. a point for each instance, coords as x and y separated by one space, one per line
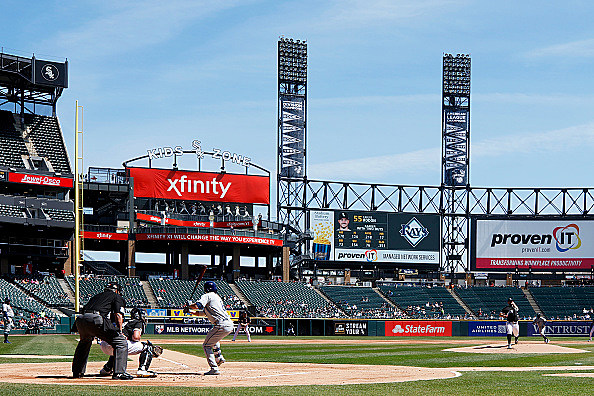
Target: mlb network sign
537 244
418 328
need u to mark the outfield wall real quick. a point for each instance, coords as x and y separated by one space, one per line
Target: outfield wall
389 328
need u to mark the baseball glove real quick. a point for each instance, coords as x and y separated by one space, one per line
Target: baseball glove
157 350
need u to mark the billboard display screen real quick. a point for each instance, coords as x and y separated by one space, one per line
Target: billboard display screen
540 245
456 146
200 186
375 236
292 139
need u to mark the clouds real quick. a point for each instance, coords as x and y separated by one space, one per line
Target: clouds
119 27
574 49
422 162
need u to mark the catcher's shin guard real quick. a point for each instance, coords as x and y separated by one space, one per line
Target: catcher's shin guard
146 356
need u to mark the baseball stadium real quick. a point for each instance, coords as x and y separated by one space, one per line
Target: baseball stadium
322 286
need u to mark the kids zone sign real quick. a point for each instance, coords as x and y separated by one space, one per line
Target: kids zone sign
564 245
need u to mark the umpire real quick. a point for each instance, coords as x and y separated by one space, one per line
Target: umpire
94 321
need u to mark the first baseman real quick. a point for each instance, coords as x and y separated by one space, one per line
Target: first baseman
243 324
511 325
215 311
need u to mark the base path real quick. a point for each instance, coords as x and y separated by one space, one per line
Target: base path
523 347
180 369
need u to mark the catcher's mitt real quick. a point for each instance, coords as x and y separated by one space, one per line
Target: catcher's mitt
157 350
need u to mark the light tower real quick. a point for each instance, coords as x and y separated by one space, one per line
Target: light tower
291 137
455 164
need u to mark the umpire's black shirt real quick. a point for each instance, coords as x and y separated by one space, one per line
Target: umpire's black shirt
104 304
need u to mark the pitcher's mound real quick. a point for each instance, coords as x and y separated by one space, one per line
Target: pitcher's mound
522 347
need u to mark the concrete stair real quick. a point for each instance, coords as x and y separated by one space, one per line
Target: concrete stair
532 302
240 294
150 295
461 302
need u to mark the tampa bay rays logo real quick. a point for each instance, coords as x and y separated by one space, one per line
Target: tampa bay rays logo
414 232
50 72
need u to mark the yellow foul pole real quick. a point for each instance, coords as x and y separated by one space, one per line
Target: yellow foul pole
78 202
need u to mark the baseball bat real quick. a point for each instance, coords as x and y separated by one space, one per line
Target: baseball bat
200 276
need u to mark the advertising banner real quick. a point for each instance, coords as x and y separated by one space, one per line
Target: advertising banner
189 223
416 328
50 73
484 328
456 146
41 180
562 328
386 237
260 329
200 186
112 236
322 225
209 238
198 329
358 328
564 245
155 313
292 113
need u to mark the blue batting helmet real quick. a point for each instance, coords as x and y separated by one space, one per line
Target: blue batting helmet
210 286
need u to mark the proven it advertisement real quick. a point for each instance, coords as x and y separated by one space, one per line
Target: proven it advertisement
564 245
418 328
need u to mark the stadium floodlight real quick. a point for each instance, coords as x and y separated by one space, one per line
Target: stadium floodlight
456 75
292 61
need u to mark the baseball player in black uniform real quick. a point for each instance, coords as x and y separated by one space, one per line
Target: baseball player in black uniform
133 330
511 325
95 321
541 323
591 330
243 324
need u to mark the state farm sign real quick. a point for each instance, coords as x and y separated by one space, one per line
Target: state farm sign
200 186
418 328
40 180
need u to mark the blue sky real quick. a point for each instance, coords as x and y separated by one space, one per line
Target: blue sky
162 73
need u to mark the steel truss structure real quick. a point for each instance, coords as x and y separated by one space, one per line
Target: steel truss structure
467 202
291 137
16 85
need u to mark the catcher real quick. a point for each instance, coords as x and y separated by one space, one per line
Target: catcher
133 330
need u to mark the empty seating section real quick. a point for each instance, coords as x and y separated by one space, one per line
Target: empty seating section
131 289
487 302
286 300
563 302
12 145
424 302
174 293
21 303
46 136
45 288
59 214
361 302
11 211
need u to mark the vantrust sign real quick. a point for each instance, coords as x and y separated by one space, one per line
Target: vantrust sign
200 186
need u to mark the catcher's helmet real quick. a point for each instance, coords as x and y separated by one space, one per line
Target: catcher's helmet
210 286
113 286
138 314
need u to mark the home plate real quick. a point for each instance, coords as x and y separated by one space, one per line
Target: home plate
522 347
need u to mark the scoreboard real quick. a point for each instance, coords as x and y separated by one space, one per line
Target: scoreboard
375 236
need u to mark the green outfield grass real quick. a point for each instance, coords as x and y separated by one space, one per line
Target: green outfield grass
426 355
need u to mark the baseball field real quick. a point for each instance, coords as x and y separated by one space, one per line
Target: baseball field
303 365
